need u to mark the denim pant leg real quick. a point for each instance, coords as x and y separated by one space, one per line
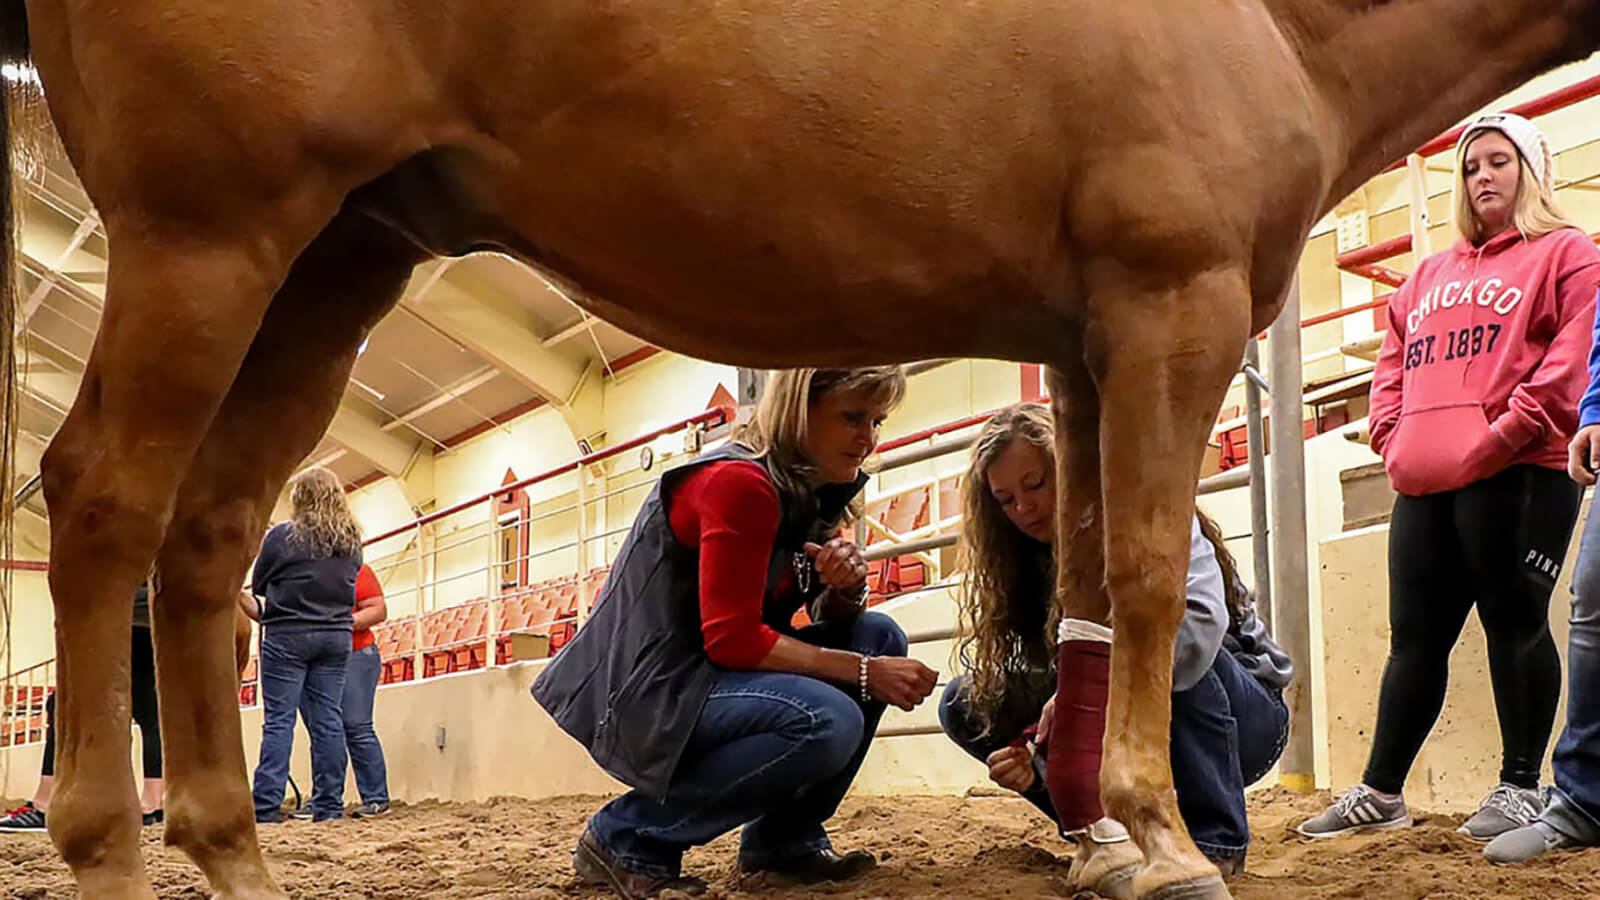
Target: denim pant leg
366 753
1577 755
327 652
1024 699
794 826
1260 716
761 739
283 675
1205 767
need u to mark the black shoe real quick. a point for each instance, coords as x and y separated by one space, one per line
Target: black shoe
26 817
816 866
1231 865
154 817
597 867
369 810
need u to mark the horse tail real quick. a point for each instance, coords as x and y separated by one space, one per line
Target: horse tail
15 74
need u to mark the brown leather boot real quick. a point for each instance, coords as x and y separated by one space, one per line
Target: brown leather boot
598 867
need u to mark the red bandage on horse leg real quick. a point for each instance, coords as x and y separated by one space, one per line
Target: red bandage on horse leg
1072 759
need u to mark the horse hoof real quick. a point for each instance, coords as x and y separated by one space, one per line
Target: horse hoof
1209 887
1117 884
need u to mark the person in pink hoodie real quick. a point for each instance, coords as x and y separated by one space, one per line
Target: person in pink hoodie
1474 399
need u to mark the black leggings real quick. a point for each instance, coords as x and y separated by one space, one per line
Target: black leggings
144 709
1497 544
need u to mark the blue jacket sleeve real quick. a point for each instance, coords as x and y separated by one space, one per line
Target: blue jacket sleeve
1589 406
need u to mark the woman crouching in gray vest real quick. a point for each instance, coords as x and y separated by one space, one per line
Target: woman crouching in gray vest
688 682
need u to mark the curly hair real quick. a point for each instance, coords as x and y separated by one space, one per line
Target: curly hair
1006 615
1008 620
321 522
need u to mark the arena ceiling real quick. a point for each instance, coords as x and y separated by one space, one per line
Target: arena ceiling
473 343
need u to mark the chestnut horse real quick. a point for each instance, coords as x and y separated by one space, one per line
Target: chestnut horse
1118 190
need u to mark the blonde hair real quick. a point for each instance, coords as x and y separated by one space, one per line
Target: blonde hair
777 431
1535 211
321 522
1007 619
1007 611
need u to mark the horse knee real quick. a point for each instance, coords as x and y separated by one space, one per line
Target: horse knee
61 466
100 514
91 832
204 820
224 531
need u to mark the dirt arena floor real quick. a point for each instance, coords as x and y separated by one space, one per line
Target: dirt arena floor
935 847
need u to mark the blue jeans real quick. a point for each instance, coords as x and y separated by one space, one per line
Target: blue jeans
302 670
1025 696
1227 732
772 751
366 753
361 676
1575 806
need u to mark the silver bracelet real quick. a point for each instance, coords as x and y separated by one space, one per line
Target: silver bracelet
862 678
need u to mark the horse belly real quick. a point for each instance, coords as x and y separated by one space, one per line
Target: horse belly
804 188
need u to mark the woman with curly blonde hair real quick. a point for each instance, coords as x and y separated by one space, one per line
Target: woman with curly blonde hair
1229 721
305 584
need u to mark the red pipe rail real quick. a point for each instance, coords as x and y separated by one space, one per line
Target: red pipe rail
717 415
1559 99
935 431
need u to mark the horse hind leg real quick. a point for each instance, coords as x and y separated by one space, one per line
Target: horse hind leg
1167 353
279 406
180 315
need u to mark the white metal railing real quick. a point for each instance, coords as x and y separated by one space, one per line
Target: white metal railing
463 596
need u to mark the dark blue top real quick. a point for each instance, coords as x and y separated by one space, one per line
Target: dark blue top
303 592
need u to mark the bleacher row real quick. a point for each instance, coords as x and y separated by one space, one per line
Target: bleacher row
456 638
24 719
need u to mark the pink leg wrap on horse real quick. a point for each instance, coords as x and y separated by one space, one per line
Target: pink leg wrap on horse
1073 757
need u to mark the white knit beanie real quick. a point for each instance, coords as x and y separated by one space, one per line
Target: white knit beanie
1527 137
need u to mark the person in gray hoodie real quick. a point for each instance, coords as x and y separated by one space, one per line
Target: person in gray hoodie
1229 720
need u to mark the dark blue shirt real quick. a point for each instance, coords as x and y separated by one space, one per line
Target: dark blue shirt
303 592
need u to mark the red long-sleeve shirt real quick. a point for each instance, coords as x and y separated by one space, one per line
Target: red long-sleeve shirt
366 586
728 512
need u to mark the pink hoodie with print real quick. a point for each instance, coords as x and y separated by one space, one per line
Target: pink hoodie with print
1483 363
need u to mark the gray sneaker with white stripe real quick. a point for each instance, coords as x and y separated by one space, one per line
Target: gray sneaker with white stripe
1507 808
1360 809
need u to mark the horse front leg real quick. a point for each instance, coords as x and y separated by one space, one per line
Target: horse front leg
1167 353
1106 860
